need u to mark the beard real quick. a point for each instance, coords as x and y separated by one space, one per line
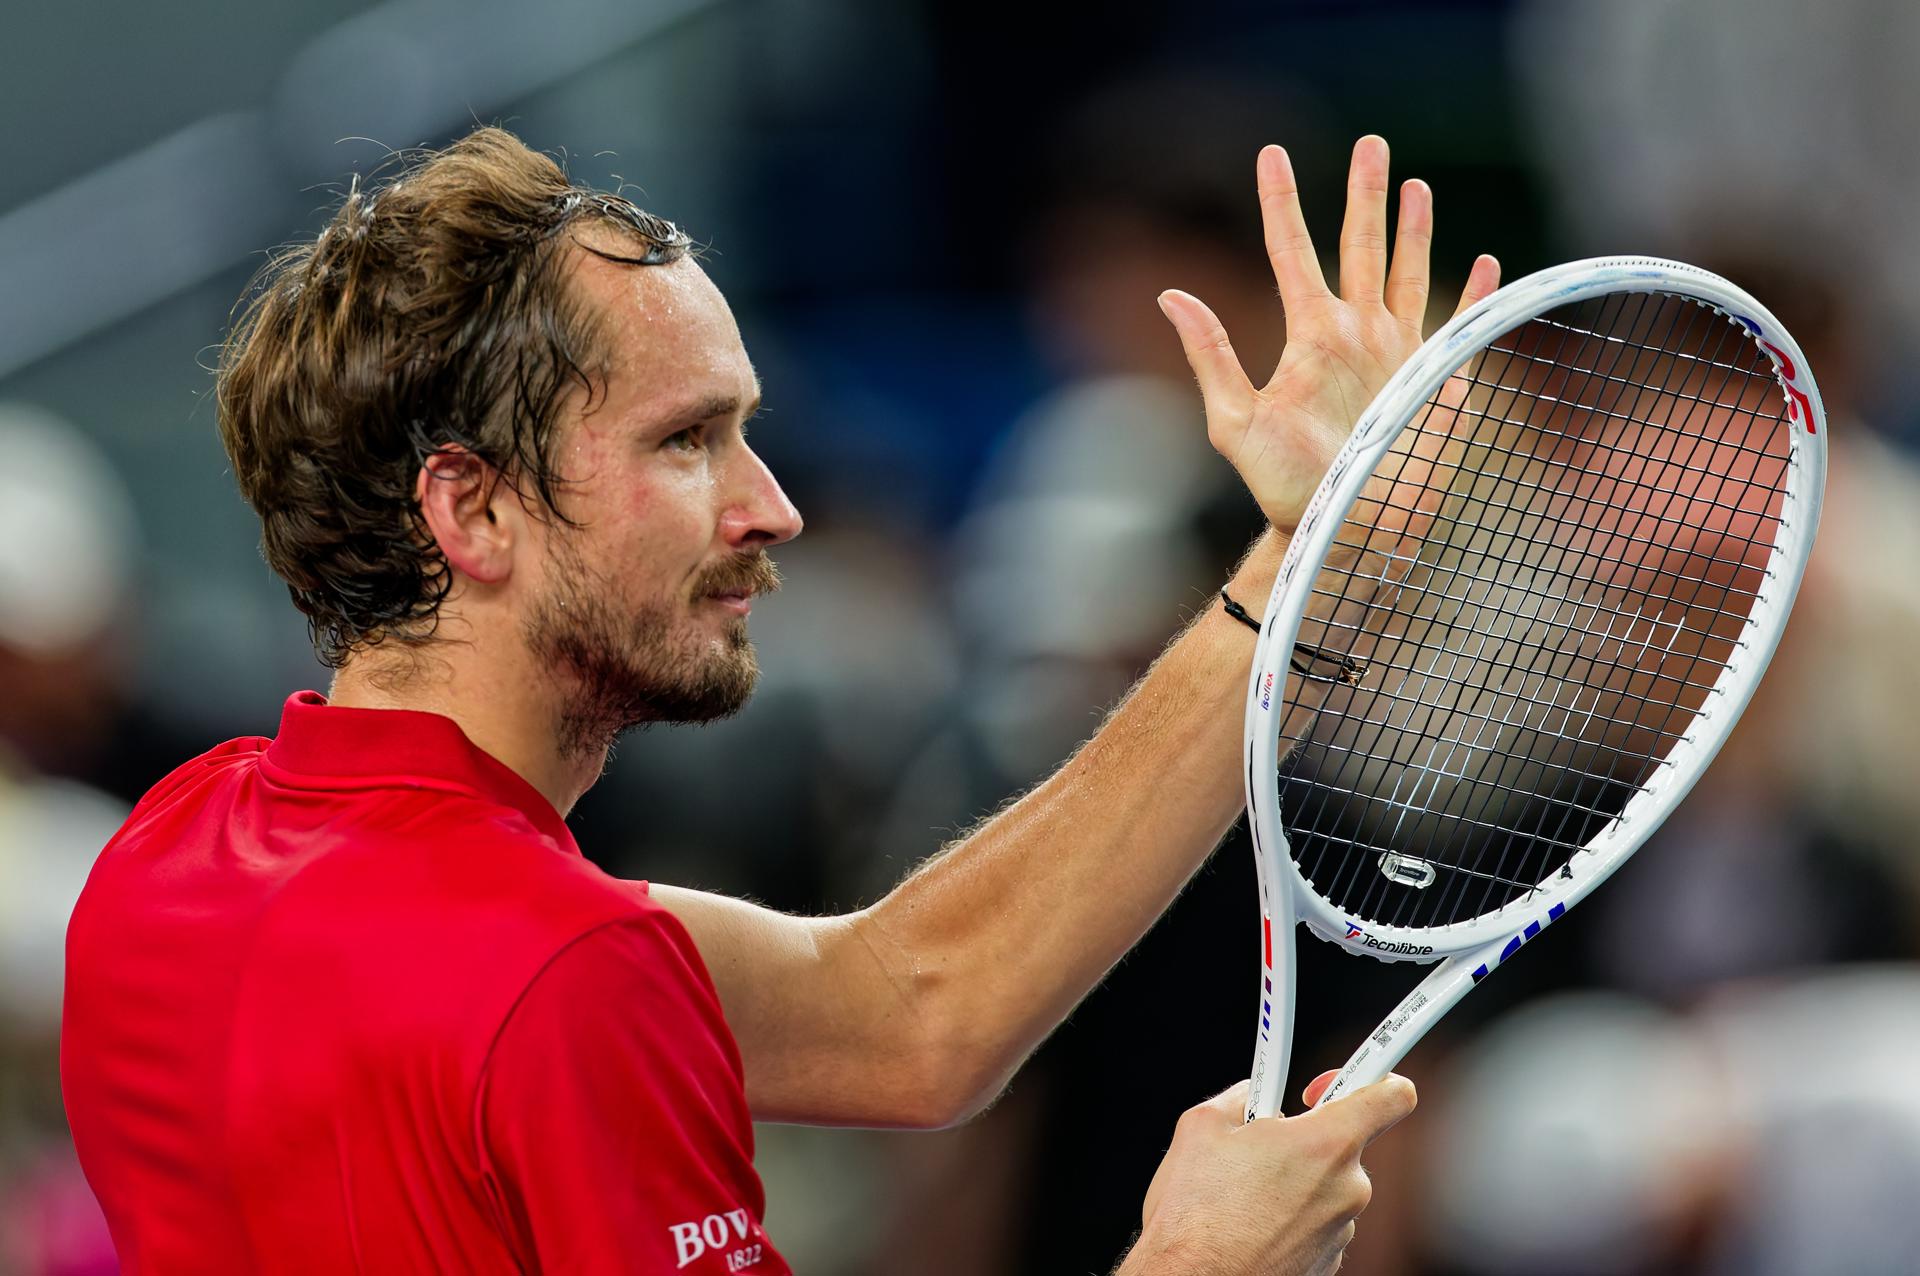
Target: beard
620 668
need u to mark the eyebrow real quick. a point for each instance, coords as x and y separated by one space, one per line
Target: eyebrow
708 407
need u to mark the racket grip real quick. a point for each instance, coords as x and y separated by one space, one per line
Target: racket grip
1400 1031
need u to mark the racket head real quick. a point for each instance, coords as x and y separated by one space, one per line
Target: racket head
1728 650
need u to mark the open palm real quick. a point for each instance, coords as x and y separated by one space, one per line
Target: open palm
1340 349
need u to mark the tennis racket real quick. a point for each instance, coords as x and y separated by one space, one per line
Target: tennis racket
1521 613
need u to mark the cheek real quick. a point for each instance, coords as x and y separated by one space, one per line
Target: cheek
666 525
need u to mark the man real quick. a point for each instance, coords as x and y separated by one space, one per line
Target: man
352 1000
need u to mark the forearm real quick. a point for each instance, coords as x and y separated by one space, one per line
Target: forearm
915 1011
996 939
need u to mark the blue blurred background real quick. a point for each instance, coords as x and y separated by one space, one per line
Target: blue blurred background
943 227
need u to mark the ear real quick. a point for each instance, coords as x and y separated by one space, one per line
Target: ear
456 491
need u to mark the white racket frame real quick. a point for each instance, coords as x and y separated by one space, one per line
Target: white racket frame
1469 950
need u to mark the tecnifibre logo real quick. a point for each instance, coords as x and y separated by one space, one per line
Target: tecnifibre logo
1368 941
1418 950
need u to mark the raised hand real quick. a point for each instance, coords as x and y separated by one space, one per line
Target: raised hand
1340 349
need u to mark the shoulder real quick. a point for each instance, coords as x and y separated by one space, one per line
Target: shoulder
629 1001
622 1023
221 761
644 971
485 870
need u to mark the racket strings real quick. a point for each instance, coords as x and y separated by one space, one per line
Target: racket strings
1352 868
1542 582
1538 840
1754 386
1598 610
1594 445
1620 648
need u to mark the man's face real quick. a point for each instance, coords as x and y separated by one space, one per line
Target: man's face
640 609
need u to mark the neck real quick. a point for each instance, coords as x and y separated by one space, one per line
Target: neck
505 706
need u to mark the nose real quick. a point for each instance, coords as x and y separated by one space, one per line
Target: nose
760 515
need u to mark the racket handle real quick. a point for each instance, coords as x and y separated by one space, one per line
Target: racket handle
1400 1031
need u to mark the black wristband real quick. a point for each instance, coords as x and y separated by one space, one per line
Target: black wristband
1350 670
1238 612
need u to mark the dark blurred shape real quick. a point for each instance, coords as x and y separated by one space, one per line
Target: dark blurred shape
1148 184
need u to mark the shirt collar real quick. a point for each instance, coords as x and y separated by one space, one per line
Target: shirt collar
401 747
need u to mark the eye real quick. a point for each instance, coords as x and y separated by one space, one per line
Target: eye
691 439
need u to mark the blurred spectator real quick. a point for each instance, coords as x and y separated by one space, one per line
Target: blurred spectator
66 561
66 538
1573 1136
71 560
1824 1167
1799 845
1783 125
1590 1134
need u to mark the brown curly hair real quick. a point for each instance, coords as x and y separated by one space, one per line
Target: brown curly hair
432 311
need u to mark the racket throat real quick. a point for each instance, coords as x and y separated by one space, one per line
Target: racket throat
1402 1030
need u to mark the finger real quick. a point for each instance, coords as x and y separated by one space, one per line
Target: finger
1223 382
1296 267
1363 235
1407 284
1373 1110
1231 1102
1482 280
1318 1086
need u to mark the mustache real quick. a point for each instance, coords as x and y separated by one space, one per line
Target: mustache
752 572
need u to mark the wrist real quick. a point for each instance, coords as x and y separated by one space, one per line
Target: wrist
1253 576
1155 1254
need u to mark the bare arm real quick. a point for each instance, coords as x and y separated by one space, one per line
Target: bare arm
916 1010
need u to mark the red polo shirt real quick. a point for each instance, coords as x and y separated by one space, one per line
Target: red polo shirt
352 1000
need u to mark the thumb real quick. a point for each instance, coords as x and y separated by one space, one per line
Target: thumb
1373 1110
1223 382
1318 1086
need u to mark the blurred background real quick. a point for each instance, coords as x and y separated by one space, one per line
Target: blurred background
943 227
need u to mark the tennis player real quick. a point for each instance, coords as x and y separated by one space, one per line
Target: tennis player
350 999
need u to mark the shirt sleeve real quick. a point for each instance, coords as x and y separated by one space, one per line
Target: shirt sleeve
612 1115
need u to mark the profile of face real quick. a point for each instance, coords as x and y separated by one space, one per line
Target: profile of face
636 604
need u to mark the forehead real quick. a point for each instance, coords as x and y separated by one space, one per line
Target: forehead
667 334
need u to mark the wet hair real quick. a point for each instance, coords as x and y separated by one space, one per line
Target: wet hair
433 311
